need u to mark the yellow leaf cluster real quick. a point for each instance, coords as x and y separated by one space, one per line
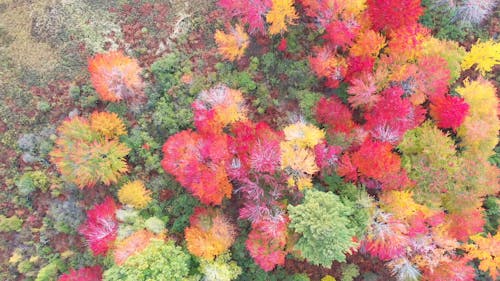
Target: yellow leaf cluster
134 194
299 163
108 124
401 204
484 55
487 251
281 14
479 132
232 45
303 135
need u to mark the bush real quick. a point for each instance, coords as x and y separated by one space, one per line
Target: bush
10 224
30 181
326 227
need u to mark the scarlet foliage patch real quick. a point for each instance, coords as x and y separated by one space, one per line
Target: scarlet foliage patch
376 160
327 64
93 273
340 33
335 115
392 116
101 227
255 147
392 14
448 111
198 163
249 12
116 77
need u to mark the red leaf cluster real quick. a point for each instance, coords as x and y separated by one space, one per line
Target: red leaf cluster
198 163
392 116
393 14
249 12
449 111
266 247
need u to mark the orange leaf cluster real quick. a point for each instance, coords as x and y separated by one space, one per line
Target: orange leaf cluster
132 245
209 234
232 45
115 76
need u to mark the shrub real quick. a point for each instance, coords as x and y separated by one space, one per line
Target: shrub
13 223
30 181
159 261
326 228
85 156
134 194
67 215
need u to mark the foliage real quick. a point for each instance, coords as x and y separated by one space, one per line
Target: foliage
198 163
297 155
158 261
253 15
451 51
49 272
475 12
349 272
30 181
67 215
85 156
115 76
282 13
485 55
209 234
134 194
220 269
430 159
13 223
392 14
232 45
492 210
479 131
486 249
326 227
100 228
93 273
132 245
108 125
449 111
386 237
266 243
